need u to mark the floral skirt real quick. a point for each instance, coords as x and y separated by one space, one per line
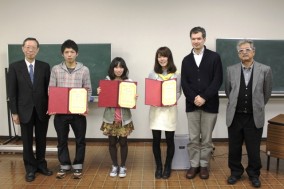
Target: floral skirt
116 129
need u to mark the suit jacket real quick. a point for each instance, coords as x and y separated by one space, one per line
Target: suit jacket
261 91
23 95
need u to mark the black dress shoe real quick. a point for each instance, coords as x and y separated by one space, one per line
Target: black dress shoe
233 179
45 171
30 177
255 182
159 173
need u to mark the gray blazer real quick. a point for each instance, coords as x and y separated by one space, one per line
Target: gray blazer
261 91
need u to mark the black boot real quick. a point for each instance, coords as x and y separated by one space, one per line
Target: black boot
170 154
167 172
159 172
159 166
168 168
157 153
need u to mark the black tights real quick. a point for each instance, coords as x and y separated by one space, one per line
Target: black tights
157 149
113 149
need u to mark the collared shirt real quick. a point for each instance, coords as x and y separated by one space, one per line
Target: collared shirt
198 57
247 72
80 77
28 64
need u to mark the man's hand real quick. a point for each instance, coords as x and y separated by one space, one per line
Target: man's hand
199 101
16 119
85 114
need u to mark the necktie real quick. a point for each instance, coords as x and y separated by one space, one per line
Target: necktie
31 72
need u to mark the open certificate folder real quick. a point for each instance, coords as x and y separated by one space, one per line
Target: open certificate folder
160 93
116 93
63 100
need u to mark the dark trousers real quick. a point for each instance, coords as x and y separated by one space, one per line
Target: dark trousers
157 149
243 130
39 128
78 124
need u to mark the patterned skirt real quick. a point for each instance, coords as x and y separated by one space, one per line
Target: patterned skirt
116 129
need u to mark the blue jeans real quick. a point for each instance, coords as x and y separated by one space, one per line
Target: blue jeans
78 124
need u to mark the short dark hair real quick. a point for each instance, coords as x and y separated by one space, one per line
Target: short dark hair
69 44
31 39
196 30
114 63
166 52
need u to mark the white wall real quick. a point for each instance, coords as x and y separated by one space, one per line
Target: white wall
136 29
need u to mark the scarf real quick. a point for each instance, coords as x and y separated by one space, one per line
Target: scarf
166 77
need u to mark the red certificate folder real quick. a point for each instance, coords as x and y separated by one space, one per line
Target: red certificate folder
154 93
109 95
58 101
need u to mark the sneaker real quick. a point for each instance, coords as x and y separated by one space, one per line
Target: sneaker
113 172
77 174
61 173
122 172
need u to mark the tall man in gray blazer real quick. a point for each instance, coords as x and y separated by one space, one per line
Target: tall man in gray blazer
248 87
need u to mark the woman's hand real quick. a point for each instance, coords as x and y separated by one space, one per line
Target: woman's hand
99 90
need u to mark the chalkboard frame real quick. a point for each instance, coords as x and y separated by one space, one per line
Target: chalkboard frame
96 57
267 52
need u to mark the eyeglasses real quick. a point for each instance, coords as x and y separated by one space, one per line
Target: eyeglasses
30 48
242 51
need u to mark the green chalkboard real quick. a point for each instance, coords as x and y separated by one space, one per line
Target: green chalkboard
268 52
96 57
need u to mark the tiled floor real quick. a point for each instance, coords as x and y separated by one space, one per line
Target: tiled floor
140 171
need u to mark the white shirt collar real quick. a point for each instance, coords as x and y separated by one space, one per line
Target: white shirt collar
249 68
198 57
28 64
201 52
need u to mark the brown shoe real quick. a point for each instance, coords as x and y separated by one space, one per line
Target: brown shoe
204 173
191 173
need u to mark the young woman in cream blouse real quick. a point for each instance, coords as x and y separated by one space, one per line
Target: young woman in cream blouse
164 118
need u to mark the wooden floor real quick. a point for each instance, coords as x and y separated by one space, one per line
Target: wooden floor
140 170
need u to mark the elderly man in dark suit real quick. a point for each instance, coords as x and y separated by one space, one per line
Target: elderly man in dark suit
248 87
28 81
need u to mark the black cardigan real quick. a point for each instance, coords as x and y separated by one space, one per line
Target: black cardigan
204 80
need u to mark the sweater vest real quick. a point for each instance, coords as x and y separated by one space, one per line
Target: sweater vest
244 104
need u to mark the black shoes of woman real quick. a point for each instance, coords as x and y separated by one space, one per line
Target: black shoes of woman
167 173
159 173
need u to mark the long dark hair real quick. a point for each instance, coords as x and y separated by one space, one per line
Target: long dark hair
114 63
166 52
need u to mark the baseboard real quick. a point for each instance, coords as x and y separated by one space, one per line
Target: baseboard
4 138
